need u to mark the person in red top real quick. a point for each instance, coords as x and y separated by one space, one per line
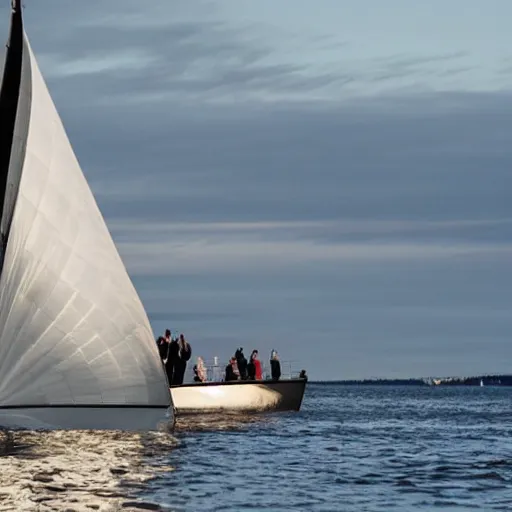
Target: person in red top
254 367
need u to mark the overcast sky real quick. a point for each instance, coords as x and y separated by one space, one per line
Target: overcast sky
328 178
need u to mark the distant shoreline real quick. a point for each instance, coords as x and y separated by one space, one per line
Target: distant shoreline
486 380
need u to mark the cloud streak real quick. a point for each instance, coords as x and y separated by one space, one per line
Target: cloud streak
343 193
167 55
200 256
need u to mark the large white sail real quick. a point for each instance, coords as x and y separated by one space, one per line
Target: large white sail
73 332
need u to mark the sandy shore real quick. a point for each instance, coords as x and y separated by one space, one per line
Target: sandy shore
79 471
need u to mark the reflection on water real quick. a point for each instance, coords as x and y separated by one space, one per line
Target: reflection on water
212 422
72 470
98 470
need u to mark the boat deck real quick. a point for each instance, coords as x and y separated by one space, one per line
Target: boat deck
237 383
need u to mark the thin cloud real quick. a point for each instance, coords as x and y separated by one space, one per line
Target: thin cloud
416 159
113 63
202 59
215 254
468 229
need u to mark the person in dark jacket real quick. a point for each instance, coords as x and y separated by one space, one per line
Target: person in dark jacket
184 354
163 347
254 366
242 363
275 365
170 364
232 372
163 344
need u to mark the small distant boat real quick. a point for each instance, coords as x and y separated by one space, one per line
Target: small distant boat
481 383
239 396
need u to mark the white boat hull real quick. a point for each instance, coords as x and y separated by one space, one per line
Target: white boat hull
238 396
85 418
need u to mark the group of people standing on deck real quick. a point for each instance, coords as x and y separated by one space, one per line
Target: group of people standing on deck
239 368
175 354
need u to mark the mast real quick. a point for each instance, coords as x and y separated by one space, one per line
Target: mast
9 94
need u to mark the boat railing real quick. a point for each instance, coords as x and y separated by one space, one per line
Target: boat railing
215 372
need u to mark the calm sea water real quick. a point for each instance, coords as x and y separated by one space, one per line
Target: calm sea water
349 449
354 448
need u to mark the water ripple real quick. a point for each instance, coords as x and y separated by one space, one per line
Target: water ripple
366 448
351 448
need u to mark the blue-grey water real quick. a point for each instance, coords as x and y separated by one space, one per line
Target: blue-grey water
349 449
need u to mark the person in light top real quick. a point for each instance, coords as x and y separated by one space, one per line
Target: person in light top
199 371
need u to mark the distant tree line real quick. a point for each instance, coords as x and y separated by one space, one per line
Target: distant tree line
376 382
487 380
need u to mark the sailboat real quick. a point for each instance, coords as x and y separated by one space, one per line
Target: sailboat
238 396
76 347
